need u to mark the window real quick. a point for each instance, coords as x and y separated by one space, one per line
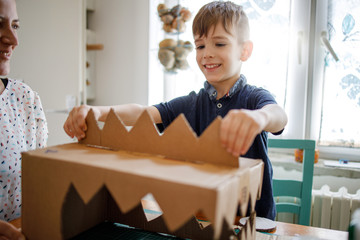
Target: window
296 44
341 87
336 79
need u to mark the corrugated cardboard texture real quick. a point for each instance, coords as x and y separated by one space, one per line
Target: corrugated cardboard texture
69 188
177 142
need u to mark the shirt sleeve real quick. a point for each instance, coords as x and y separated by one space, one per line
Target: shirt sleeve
172 109
41 123
262 97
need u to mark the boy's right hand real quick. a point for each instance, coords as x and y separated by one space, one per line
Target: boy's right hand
75 124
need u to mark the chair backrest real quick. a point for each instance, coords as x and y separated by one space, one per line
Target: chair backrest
293 188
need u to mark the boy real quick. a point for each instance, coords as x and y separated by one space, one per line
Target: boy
221 34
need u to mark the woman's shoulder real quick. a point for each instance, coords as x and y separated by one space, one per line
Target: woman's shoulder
18 87
23 95
18 84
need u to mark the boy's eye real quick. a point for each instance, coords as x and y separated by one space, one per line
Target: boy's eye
200 47
220 44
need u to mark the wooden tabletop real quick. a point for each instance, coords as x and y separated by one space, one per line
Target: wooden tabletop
284 229
288 229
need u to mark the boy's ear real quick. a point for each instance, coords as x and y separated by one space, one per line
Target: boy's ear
246 51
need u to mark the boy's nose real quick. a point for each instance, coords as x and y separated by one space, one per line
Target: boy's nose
208 53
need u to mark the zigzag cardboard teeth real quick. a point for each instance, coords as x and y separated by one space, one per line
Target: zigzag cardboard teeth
70 188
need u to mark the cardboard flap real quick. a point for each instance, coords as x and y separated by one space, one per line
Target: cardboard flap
93 132
256 176
227 203
86 185
244 186
179 209
210 142
143 137
178 141
124 194
111 132
95 175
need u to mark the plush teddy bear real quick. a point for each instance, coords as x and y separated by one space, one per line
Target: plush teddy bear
173 18
172 54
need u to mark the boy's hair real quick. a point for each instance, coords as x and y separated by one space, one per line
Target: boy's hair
228 13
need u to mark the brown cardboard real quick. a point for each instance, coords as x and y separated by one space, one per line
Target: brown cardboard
70 188
178 141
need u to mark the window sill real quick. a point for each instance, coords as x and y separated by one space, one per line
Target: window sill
288 162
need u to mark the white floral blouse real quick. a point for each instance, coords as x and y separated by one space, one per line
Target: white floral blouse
23 127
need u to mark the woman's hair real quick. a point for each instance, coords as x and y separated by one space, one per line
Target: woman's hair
229 14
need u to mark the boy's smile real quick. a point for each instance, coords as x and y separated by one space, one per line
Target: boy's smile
212 66
219 56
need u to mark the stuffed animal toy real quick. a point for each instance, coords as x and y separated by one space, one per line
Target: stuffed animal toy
173 18
172 54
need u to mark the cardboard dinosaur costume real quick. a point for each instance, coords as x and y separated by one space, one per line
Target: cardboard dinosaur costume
70 188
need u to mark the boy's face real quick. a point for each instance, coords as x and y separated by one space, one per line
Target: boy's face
219 56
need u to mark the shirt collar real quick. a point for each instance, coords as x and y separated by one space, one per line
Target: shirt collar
235 88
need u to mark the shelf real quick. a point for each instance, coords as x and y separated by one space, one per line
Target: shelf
94 47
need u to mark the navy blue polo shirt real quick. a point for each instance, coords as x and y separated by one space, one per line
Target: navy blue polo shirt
201 108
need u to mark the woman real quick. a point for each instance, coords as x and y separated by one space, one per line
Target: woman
22 123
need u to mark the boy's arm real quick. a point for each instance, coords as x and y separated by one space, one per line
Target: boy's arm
276 118
240 127
75 124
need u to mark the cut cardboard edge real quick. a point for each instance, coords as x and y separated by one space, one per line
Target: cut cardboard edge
256 177
111 131
145 138
93 132
86 194
210 139
136 217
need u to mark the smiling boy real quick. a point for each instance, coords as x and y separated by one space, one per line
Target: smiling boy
221 34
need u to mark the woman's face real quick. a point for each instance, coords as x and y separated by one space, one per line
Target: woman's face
9 23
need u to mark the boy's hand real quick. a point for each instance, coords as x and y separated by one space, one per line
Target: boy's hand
9 232
239 129
75 124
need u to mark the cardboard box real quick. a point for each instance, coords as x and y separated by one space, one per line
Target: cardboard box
70 188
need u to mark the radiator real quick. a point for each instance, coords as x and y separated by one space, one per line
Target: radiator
333 210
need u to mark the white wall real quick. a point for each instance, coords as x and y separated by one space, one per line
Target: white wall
122 67
50 55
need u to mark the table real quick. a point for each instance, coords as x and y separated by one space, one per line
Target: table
289 229
284 229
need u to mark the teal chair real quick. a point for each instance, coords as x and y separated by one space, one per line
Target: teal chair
292 188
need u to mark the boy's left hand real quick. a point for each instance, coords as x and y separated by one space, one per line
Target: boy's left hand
239 129
9 232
